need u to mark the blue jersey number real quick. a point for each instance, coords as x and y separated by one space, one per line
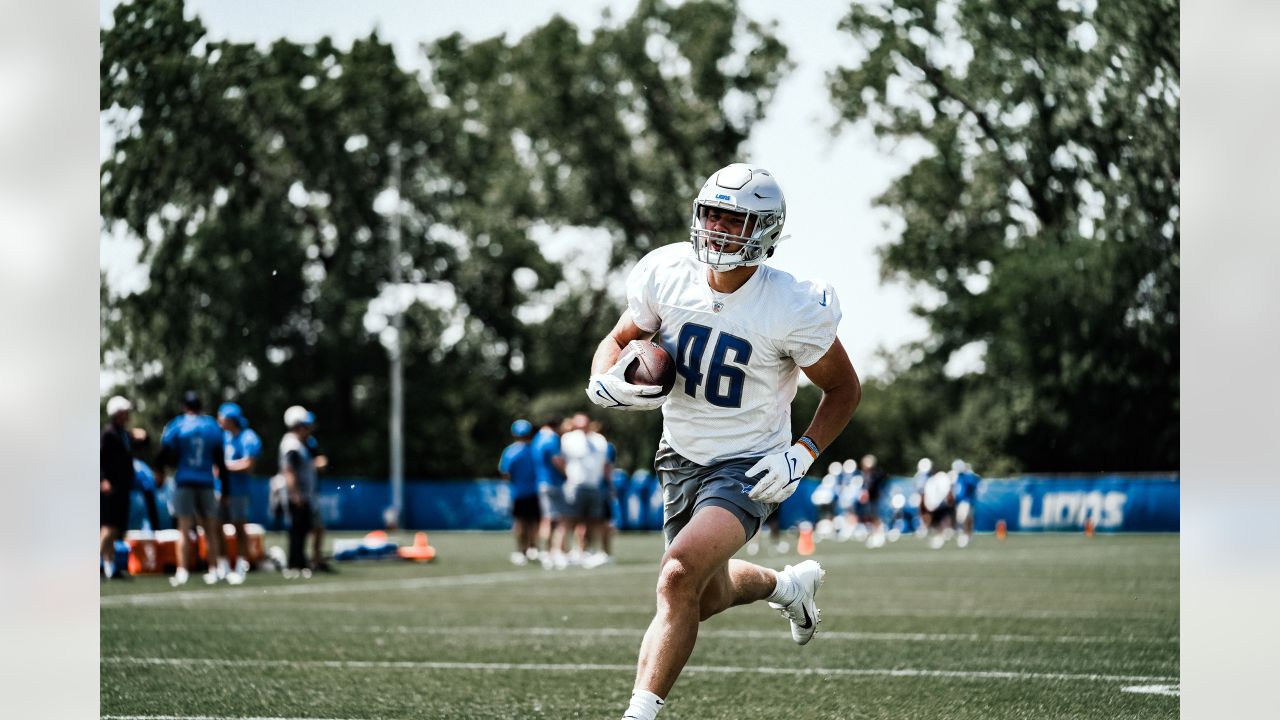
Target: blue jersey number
692 345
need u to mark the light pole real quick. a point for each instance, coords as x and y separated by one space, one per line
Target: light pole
396 511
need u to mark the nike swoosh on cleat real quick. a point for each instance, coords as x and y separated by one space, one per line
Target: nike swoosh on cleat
808 621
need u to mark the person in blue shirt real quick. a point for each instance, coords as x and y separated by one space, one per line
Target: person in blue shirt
964 488
517 465
144 481
192 445
241 448
555 511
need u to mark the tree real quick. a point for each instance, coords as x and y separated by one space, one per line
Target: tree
252 175
1041 220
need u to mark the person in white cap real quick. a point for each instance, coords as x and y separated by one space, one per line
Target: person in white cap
115 458
297 465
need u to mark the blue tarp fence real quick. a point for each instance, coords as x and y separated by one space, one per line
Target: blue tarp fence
1115 503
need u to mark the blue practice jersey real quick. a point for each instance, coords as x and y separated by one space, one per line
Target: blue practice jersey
966 487
517 461
244 444
196 443
546 445
143 478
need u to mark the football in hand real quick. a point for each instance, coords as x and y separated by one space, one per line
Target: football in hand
651 366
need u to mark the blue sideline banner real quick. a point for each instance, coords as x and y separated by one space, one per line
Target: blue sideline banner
1115 503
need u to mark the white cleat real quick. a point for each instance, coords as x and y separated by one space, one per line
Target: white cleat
179 578
519 559
211 578
235 578
962 540
803 612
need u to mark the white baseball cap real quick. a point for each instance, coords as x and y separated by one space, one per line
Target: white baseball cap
297 415
118 404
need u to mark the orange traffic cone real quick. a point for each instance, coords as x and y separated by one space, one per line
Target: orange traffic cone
1002 530
805 545
1088 527
421 551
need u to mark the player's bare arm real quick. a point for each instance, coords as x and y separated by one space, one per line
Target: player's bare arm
611 346
841 393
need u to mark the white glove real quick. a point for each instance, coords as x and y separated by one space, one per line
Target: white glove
782 473
609 390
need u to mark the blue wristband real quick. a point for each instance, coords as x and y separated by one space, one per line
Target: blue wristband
808 442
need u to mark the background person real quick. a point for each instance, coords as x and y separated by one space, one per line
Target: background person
321 462
115 481
241 447
964 487
144 480
585 465
298 468
518 466
192 444
550 467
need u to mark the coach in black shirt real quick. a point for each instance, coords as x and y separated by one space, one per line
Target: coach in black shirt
116 461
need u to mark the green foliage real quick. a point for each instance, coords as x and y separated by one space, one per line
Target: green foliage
251 173
1042 219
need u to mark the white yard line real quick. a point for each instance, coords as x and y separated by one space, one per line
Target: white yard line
584 667
312 587
202 717
826 636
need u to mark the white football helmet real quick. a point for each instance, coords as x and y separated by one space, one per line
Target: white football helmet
744 189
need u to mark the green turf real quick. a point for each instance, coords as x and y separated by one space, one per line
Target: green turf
1050 626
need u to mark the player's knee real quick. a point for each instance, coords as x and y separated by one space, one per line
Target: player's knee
676 581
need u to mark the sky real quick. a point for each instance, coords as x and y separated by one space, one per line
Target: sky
829 180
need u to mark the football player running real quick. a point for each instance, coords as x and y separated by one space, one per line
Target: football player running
740 333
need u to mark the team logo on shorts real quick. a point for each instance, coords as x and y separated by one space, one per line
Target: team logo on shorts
746 489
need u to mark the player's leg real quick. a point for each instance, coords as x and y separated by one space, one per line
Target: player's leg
700 551
106 548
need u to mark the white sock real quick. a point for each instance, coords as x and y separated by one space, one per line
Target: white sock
108 568
786 591
180 573
644 706
223 567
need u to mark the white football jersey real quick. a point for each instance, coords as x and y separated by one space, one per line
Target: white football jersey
738 355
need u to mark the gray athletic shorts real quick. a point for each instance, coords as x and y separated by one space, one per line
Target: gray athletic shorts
584 502
551 499
195 501
688 487
237 509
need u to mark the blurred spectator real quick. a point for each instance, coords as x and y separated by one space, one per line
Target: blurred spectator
848 489
868 503
964 489
518 466
938 503
607 495
241 447
192 443
321 461
297 466
923 469
115 460
550 467
586 463
144 481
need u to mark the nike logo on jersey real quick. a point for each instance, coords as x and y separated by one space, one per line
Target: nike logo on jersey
823 301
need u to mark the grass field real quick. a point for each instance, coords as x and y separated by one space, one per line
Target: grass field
1052 626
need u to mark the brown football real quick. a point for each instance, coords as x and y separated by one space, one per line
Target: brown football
651 366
